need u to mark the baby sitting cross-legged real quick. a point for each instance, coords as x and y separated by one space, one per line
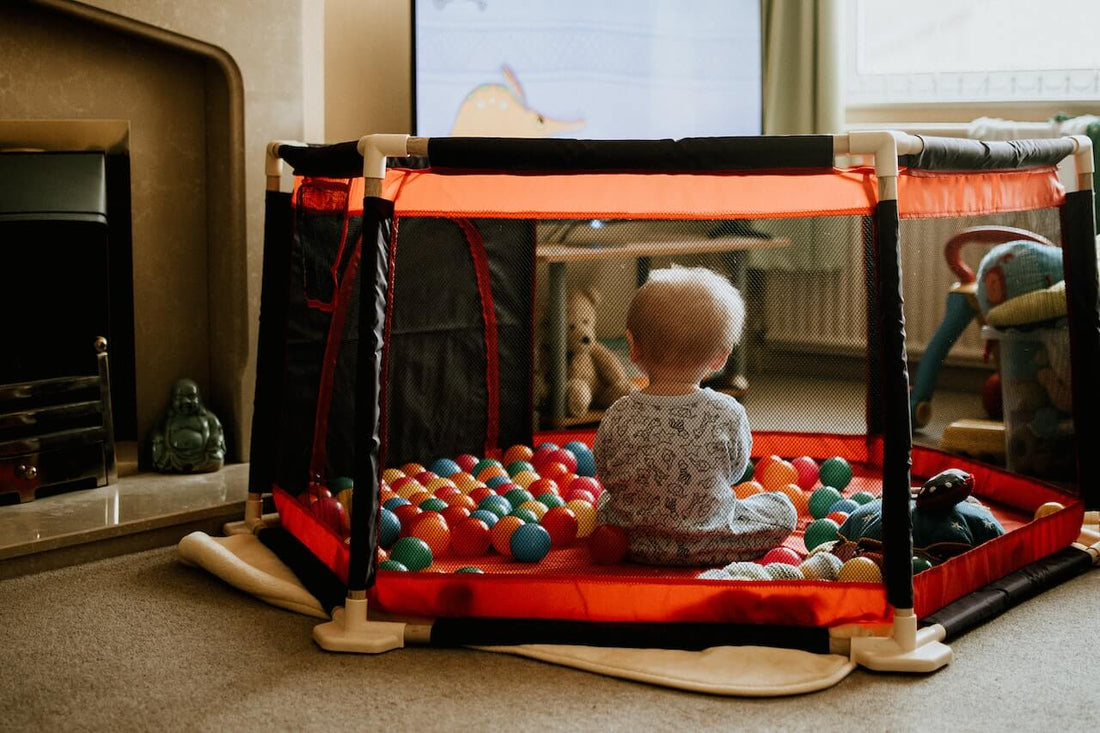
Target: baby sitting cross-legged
669 454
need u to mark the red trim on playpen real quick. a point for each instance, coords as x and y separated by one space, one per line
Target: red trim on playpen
925 194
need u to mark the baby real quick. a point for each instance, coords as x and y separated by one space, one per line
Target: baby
668 455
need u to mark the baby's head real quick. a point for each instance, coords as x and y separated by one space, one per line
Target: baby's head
684 318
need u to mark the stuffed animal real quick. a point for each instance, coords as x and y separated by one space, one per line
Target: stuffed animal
595 377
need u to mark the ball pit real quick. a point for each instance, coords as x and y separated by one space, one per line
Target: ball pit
835 472
530 543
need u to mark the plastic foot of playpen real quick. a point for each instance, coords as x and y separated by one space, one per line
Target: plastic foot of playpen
351 631
253 517
907 650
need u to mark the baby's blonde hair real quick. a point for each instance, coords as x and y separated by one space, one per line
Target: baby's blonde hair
685 316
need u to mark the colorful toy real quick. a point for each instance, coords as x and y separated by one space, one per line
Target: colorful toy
822 499
586 462
485 516
530 543
412 552
561 522
501 534
820 531
470 538
807 469
432 528
781 555
607 544
835 472
389 528
586 516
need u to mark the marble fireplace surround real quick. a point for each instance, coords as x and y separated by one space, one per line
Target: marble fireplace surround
194 89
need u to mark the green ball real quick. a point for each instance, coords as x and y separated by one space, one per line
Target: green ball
519 467
920 564
550 500
518 496
822 499
412 552
391 565
483 464
470 569
340 483
433 505
835 472
820 531
747 475
862 497
528 516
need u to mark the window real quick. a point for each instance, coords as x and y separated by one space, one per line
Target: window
947 51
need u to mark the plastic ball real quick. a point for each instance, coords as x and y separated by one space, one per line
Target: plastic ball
530 543
761 463
563 456
444 492
476 495
519 467
392 474
821 566
543 485
425 476
392 565
822 499
542 454
454 515
781 555
750 470
859 570
444 467
470 569
439 482
525 478
432 528
411 469
920 564
504 488
412 552
344 497
485 463
862 497
340 483
395 502
496 504
470 538
517 452
485 516
464 481
798 497
607 544
331 514
1049 508
466 461
501 534
838 517
555 471
586 516
819 532
783 571
746 489
389 528
835 472
550 500
561 523
397 484
807 472
419 497
776 474
433 504
580 495
528 516
491 472
844 505
405 514
584 483
407 490
519 496
536 508
586 461
495 482
462 500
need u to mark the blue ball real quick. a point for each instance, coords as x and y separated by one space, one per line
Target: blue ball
530 543
844 505
486 516
547 444
395 501
389 528
444 467
496 481
586 463
496 504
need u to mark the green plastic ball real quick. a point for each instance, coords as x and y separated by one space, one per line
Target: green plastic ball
822 499
483 464
340 483
528 516
920 564
518 496
862 497
550 500
470 569
835 472
747 475
518 467
433 505
391 565
820 531
412 552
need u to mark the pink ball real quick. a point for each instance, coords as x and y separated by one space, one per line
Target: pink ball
581 494
781 554
807 472
565 457
586 483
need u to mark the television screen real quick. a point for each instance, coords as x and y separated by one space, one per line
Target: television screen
626 69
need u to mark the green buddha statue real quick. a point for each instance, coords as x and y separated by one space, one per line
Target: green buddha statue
189 437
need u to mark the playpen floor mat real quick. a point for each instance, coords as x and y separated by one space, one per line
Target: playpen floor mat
245 563
567 585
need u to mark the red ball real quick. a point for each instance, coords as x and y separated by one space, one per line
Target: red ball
444 491
837 517
543 485
504 488
607 544
454 515
807 472
425 476
561 523
480 493
783 555
585 483
581 494
992 397
564 456
403 481
470 538
554 470
542 455
331 513
313 493
466 462
405 514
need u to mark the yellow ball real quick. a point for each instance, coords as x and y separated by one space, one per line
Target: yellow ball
344 497
439 483
464 481
535 506
525 478
392 474
409 489
586 516
859 570
1049 508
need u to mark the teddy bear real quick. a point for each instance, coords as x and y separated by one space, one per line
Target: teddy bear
595 377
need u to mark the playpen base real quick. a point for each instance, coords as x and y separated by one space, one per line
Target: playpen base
907 650
351 631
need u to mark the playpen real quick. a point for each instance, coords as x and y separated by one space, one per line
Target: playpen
402 302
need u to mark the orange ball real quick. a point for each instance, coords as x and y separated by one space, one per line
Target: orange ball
762 463
554 471
432 528
464 481
392 474
491 471
517 453
470 538
501 534
418 497
411 469
438 483
798 497
747 488
461 500
776 475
